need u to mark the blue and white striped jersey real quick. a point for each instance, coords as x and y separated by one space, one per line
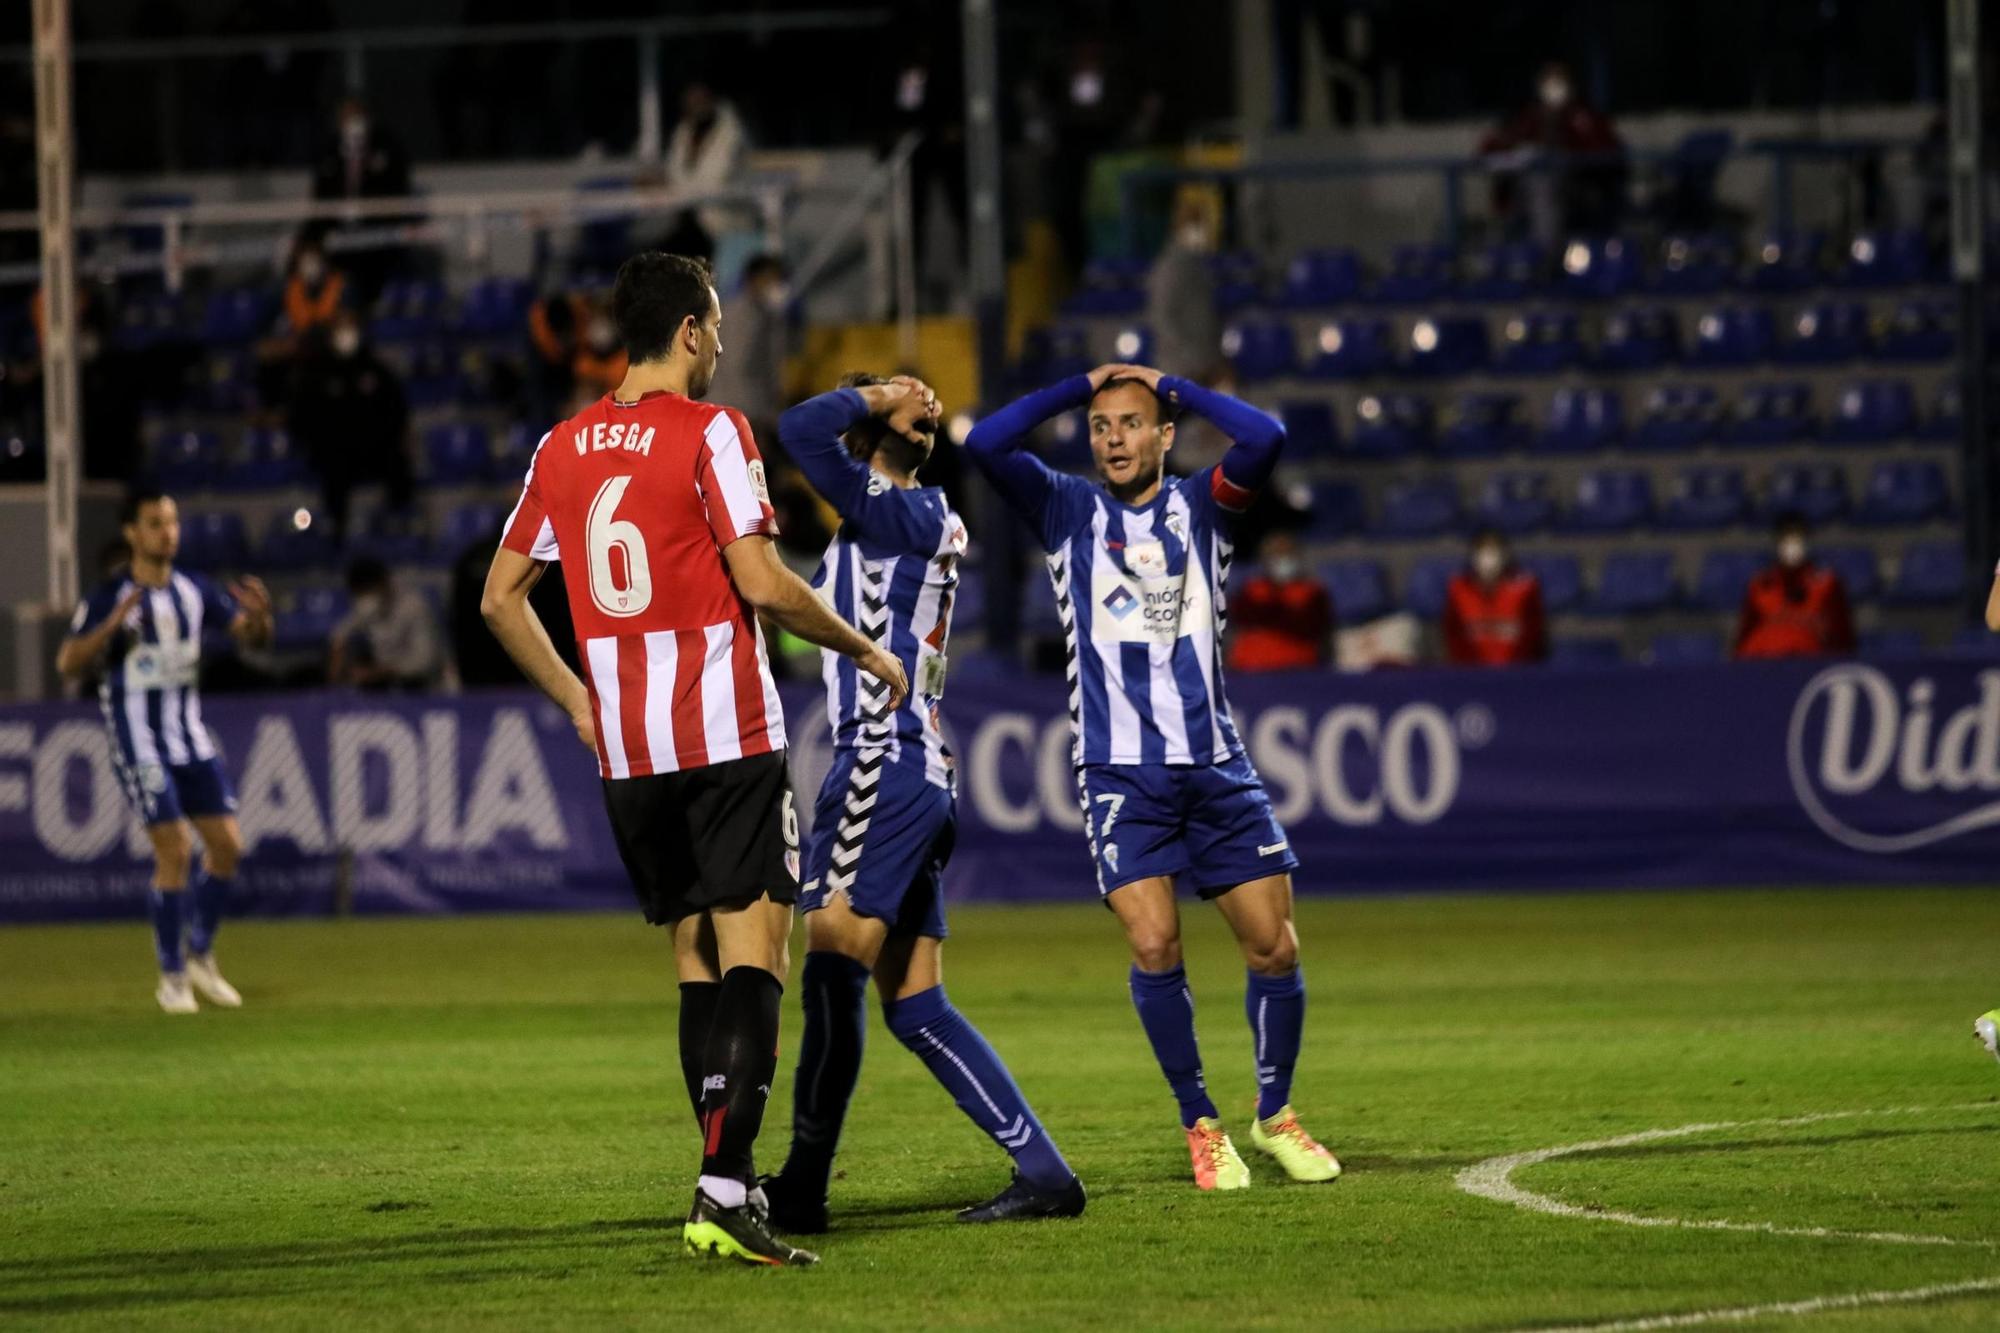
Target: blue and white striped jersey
891 571
151 694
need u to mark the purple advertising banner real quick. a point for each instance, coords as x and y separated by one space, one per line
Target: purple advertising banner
1737 774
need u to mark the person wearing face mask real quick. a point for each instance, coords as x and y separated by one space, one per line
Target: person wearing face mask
1283 617
314 290
1794 607
349 414
1569 197
363 160
389 639
751 378
1180 296
1493 613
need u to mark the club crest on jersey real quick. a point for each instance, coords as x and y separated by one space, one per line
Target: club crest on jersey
1177 526
758 486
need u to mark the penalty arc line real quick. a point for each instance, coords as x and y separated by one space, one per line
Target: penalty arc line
1860 1300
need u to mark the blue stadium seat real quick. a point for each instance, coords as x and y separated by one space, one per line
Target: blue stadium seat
1359 588
1723 577
1334 509
1706 498
1424 591
1769 414
231 383
1416 273
213 539
1412 509
1392 425
1687 648
305 620
1509 271
1538 343
1322 278
1930 574
408 311
271 462
1827 333
1108 287
1898 258
1892 643
1480 424
1695 265
1068 352
188 460
1561 577
393 539
1919 331
1788 263
1946 415
1610 500
1594 269
1582 420
1638 338
513 451
1310 431
146 321
288 548
1516 502
1872 412
1353 349
237 316
1857 568
1447 345
495 308
1260 349
1068 442
1817 492
457 454
1732 336
470 524
1239 280
1585 651
1903 491
434 379
1634 583
1678 416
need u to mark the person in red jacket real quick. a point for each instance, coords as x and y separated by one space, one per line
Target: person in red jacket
1493 609
1283 617
1794 608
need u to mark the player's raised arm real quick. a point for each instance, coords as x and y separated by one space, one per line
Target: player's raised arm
789 600
998 444
86 643
1256 437
811 433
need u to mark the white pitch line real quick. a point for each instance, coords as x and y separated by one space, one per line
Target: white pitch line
1817 1305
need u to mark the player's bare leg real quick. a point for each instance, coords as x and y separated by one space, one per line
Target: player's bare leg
1260 914
1160 992
222 851
173 854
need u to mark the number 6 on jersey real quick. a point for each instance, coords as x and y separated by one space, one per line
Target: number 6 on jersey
604 534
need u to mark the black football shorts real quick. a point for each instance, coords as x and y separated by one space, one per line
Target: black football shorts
715 837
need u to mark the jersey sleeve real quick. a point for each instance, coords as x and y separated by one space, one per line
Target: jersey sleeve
90 612
873 507
218 604
1052 501
528 531
1256 439
731 478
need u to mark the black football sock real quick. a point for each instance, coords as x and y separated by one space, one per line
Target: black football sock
697 1016
742 1059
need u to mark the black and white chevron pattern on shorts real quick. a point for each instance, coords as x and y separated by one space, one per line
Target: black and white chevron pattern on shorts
864 787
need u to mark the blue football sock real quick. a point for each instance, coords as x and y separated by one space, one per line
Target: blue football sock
1166 1010
166 910
1276 1008
958 1057
833 990
211 898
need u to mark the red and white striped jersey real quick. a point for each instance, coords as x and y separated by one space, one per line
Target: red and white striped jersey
638 500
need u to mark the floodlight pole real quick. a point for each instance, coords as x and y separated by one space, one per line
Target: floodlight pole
62 425
1968 271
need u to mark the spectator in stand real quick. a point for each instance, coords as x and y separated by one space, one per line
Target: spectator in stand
1794 608
1493 609
1564 197
751 378
389 639
555 325
1283 618
364 161
704 154
313 291
600 361
349 414
1180 297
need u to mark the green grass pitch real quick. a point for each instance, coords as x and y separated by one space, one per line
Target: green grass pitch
480 1123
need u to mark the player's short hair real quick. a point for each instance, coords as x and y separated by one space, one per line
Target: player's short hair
655 294
136 499
1163 415
869 434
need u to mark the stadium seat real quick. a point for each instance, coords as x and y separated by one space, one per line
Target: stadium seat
1322 278
394 539
1310 431
1416 273
1066 352
1259 349
213 539
1769 414
1826 334
230 385
289 547
434 379
1108 287
408 311
188 460
1068 442
1919 331
1872 412
1723 577
1695 265
146 321
1582 420
1334 509
1594 269
1678 416
1392 425
1903 491
1857 568
1516 502
1239 280
1585 651
464 527
270 462
1413 509
1539 343
1788 263
1446 345
1509 271
457 454
1899 258
1688 648
1946 415
1930 574
1610 500
1634 583
1561 577
1424 591
237 316
1359 588
1353 349
305 619
1638 338
1481 424
1817 492
1705 499
1892 643
495 308
513 451
1732 336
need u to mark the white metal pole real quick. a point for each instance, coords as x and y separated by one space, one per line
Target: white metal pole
62 427
903 219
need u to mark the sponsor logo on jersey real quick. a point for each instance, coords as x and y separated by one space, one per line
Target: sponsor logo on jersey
1122 602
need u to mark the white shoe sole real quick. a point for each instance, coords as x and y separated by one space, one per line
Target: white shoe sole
184 1004
1989 1036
